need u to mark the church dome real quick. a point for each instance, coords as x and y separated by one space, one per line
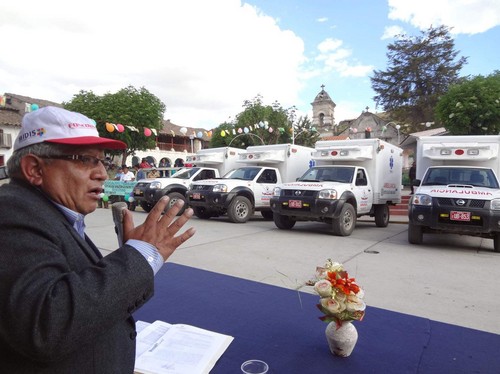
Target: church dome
322 96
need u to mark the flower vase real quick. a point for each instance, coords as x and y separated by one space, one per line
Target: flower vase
341 340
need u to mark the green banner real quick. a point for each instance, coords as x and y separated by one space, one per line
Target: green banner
117 188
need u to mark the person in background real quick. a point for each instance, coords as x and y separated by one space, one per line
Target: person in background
139 173
164 163
127 175
144 164
153 173
64 307
119 173
412 175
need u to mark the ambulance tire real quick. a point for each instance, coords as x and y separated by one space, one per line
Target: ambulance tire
415 234
202 212
240 210
496 242
344 225
283 222
267 214
174 196
382 215
146 206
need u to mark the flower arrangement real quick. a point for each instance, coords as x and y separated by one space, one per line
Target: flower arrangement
341 297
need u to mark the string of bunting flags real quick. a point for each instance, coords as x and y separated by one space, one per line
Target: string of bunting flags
246 129
111 127
118 127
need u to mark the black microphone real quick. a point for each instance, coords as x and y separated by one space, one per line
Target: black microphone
118 210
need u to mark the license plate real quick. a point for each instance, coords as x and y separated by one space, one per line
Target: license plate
295 203
459 216
196 196
138 192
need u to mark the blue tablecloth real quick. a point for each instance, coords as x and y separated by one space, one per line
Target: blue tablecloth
281 327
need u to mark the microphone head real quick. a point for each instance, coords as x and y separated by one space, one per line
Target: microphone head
118 210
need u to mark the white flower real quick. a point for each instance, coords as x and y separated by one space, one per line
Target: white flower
354 303
323 288
340 296
334 266
331 305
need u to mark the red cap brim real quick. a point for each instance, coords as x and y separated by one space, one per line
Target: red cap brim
91 141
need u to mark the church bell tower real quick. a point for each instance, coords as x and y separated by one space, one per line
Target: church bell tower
323 109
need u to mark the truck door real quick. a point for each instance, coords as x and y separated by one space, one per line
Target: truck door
264 187
363 191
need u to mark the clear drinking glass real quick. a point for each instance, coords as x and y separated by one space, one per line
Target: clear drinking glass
254 367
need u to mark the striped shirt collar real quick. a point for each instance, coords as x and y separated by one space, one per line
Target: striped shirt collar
74 218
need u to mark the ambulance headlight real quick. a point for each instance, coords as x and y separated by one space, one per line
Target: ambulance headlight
421 199
327 194
220 188
155 185
495 204
277 191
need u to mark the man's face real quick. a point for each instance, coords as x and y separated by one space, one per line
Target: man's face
75 184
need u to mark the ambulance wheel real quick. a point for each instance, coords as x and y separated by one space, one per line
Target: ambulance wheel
496 242
146 206
267 214
201 212
283 222
382 215
240 210
415 234
345 223
174 196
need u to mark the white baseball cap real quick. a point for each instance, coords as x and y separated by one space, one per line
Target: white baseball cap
56 125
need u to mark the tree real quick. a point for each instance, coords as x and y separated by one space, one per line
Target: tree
472 107
256 124
420 69
130 107
305 133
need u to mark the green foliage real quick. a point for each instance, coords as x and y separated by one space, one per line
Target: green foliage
305 133
130 107
472 107
271 124
420 69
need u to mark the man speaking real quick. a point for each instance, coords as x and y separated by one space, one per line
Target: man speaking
63 307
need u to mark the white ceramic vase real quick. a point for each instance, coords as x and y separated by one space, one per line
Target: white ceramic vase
343 339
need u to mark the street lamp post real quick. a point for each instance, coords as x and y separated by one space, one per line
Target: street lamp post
249 134
191 137
397 127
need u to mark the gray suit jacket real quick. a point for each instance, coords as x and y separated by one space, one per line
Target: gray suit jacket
63 308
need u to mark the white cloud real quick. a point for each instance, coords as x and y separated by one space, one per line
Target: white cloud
201 58
322 19
346 110
391 31
329 45
465 16
337 59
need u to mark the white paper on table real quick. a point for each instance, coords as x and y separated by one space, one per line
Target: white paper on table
141 325
178 349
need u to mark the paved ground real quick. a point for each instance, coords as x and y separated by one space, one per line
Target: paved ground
449 278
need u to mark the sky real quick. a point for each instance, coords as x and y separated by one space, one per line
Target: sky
203 59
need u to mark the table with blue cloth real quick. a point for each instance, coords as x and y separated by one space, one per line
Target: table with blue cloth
281 327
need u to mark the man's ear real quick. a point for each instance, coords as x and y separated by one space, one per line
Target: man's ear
31 168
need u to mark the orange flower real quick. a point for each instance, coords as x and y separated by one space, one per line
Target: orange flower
343 283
